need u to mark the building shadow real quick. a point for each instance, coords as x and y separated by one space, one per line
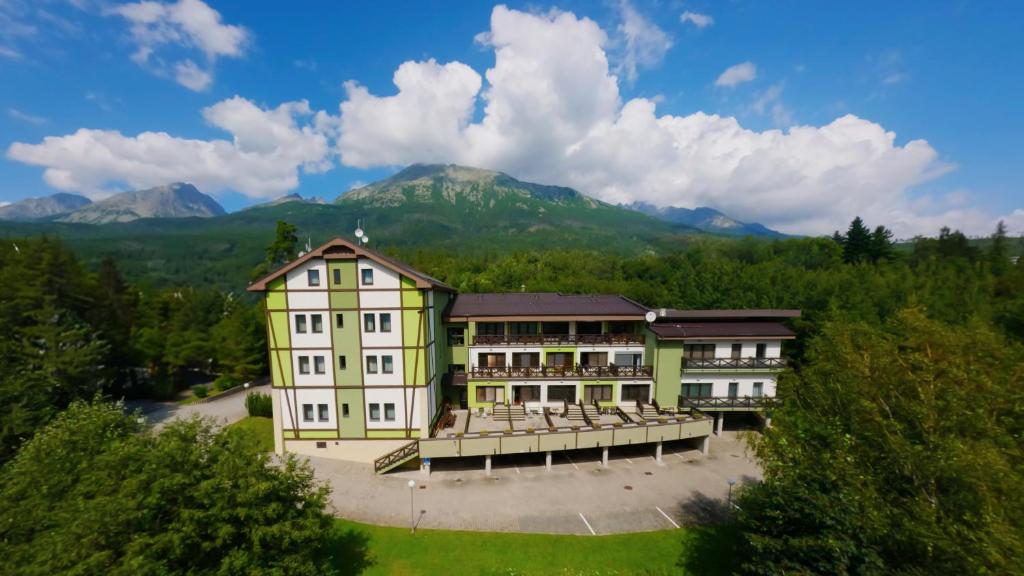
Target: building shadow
350 551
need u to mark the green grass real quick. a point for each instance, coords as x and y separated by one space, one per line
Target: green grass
260 428
370 550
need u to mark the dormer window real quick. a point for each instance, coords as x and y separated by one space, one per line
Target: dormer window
314 277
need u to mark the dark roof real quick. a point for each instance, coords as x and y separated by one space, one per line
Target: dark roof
672 314
698 330
341 248
527 304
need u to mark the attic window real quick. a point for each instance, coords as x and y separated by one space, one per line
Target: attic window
367 277
314 277
337 276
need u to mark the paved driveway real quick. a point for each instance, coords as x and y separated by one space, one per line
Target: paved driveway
224 410
578 496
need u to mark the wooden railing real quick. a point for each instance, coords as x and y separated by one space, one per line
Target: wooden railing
558 339
446 420
721 403
734 363
395 456
577 371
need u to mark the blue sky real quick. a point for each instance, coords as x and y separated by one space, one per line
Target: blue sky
946 74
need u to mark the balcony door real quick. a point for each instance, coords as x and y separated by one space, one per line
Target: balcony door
521 394
734 389
490 360
628 359
564 359
696 390
594 358
525 359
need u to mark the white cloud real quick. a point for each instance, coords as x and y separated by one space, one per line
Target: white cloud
737 74
25 117
645 43
769 101
190 24
191 76
263 159
697 19
10 53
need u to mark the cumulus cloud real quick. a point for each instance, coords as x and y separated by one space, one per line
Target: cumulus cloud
645 43
737 74
189 24
263 158
697 19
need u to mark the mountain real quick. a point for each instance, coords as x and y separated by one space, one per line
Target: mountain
706 219
178 200
293 197
35 208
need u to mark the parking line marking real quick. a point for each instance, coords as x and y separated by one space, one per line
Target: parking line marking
680 457
667 516
517 469
630 461
591 528
574 466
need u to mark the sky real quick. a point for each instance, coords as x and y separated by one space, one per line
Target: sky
797 115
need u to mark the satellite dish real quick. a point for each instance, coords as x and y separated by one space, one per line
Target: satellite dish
650 316
359 232
366 239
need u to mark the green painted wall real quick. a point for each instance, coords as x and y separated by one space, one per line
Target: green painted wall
355 424
317 434
277 300
412 329
348 274
668 357
278 332
613 383
343 300
471 394
411 298
281 368
415 367
346 343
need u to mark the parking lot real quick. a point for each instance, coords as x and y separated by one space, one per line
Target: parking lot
577 496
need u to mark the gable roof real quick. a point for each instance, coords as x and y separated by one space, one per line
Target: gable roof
543 304
341 249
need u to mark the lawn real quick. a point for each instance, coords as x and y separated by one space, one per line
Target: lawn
259 427
369 550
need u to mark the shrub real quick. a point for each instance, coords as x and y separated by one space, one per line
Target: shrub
259 405
225 382
200 391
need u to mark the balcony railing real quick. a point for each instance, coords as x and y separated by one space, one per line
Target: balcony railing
738 402
734 363
558 339
561 372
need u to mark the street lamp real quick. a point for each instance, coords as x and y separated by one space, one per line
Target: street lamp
412 507
731 481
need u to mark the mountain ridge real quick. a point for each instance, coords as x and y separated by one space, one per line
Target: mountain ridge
177 200
43 207
704 218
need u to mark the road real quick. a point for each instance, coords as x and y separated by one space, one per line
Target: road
224 410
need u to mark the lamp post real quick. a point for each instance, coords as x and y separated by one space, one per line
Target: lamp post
412 507
731 481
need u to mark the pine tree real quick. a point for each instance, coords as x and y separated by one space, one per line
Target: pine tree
998 256
881 244
857 247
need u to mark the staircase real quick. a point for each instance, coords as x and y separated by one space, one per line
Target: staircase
397 457
574 414
648 411
517 413
592 414
500 414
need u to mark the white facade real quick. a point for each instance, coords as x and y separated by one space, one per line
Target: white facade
293 403
395 378
313 378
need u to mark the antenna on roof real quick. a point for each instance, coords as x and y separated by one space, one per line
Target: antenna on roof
309 244
361 237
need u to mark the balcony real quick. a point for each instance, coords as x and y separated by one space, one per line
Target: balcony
732 364
578 371
720 404
559 340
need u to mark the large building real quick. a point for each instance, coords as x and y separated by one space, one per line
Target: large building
371 360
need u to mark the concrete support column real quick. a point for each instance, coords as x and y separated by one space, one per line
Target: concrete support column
487 464
547 460
705 445
719 421
604 456
426 469
657 452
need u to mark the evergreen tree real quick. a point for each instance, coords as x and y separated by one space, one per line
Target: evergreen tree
881 244
857 244
998 251
283 249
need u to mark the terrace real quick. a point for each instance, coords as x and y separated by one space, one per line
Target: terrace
577 371
732 364
559 339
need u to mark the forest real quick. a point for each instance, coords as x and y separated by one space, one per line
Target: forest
902 414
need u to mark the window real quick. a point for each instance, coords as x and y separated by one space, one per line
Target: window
319 366
453 368
374 412
314 277
560 359
620 327
525 359
758 389
490 393
557 328
628 359
385 322
337 275
300 323
491 360
762 349
369 323
371 364
344 410
737 351
367 277
323 414
490 328
594 358
559 393
303 364
588 327
307 412
634 392
601 393
734 389
456 336
522 328
694 390
341 363
526 394
388 366
339 320
389 412
317 320
699 351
